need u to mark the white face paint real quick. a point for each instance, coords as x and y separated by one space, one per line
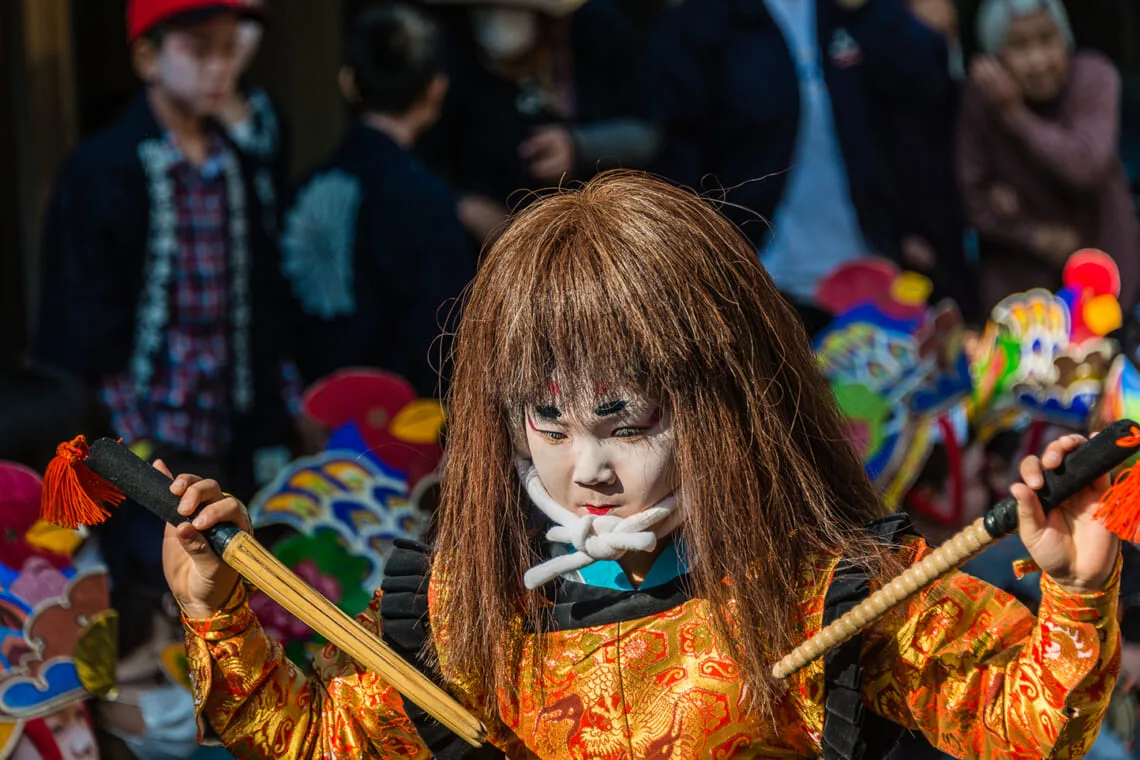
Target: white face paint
616 459
505 33
248 43
198 66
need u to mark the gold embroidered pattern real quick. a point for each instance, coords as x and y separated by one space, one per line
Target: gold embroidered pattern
962 661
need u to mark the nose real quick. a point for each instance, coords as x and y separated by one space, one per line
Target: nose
1039 61
222 64
592 466
83 744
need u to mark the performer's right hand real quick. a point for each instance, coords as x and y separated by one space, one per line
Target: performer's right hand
199 580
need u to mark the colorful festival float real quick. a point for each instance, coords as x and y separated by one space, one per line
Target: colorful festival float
1044 357
58 636
334 518
1121 395
899 371
932 408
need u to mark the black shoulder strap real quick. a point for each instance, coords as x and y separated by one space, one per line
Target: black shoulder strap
406 627
850 731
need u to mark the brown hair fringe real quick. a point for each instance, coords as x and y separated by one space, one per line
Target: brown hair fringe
630 280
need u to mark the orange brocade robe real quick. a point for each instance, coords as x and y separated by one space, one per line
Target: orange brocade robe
963 662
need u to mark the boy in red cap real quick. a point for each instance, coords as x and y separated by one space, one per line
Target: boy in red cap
162 287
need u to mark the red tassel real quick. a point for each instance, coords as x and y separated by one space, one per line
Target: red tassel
1119 508
73 495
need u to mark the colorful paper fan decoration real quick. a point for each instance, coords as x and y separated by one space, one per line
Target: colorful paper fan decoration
398 428
856 282
9 736
1047 354
22 533
342 511
1121 397
58 641
894 366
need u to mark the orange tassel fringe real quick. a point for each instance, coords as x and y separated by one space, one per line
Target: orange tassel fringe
73 495
1119 508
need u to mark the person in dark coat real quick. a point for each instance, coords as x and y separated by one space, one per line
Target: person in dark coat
372 244
160 290
918 142
542 92
769 103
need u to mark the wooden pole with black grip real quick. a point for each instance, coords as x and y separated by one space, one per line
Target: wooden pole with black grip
82 481
1120 511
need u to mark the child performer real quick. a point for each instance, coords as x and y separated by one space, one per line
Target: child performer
629 377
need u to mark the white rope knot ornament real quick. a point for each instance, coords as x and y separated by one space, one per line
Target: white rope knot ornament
596 537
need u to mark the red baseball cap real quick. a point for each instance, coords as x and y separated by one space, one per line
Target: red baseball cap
142 15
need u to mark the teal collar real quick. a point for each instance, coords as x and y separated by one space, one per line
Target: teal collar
672 563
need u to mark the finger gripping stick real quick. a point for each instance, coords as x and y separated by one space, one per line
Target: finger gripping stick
1079 470
142 483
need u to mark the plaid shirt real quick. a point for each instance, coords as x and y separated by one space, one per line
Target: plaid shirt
188 404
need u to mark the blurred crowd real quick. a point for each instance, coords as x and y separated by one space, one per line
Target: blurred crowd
939 217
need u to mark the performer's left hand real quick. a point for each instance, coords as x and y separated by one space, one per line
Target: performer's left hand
1074 549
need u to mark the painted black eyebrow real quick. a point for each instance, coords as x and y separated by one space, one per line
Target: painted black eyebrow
610 408
548 412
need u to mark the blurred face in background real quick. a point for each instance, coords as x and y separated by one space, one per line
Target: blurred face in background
939 15
71 731
197 66
505 34
1037 56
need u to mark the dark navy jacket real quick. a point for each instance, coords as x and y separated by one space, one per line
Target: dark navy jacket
486 118
722 85
97 251
375 252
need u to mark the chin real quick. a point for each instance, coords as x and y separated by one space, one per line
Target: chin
1043 94
208 107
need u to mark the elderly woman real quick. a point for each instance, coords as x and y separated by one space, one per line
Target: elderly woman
1038 158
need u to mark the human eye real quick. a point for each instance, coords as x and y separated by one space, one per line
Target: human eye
197 45
630 432
547 416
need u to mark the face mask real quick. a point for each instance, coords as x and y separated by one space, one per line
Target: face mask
505 33
171 730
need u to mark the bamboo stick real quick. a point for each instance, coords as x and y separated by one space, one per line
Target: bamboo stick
138 480
260 567
1080 469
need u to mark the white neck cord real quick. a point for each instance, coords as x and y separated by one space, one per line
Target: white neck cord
596 537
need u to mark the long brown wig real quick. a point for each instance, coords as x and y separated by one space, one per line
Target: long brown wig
630 280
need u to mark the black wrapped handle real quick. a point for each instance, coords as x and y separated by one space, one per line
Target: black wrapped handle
140 482
1092 459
